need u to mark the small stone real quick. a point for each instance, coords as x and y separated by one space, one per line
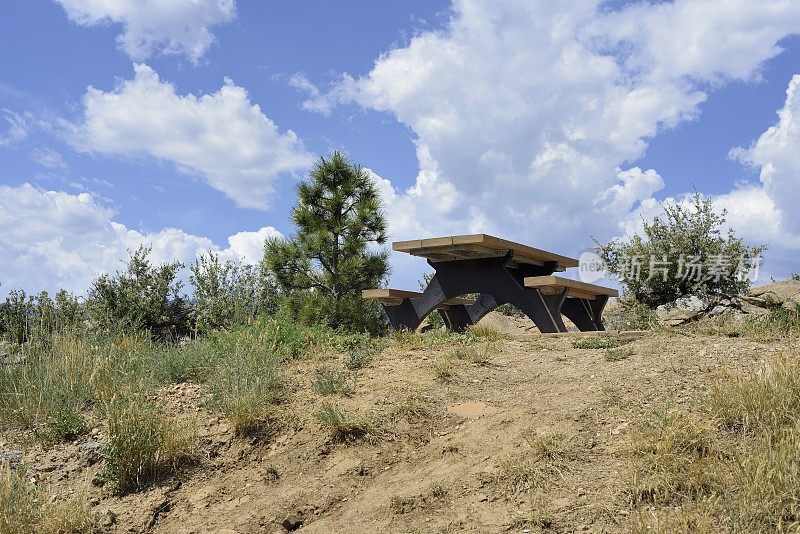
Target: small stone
13 457
108 519
292 522
483 497
619 428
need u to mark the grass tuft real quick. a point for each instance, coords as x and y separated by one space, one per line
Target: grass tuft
27 507
344 427
618 354
594 343
328 381
143 444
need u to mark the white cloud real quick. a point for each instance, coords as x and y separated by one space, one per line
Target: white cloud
149 26
17 128
51 159
777 154
54 239
527 113
221 136
248 247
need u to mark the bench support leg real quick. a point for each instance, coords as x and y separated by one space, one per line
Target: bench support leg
586 314
496 284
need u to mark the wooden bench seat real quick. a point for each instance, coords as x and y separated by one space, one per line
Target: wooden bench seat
394 297
575 288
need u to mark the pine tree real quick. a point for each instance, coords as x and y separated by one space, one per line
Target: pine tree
338 215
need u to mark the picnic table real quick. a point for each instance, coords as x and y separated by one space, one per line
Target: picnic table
496 271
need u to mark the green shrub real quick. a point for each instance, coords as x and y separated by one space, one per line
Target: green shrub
658 268
227 293
24 318
143 297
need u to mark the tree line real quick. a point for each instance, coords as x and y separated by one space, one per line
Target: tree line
314 276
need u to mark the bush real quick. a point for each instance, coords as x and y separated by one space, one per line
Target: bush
227 294
143 297
23 317
669 262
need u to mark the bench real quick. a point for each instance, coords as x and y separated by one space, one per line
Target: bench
575 288
580 302
391 298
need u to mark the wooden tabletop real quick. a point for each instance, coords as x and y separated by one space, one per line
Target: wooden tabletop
461 247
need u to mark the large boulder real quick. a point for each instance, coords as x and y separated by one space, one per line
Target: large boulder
682 310
506 324
785 293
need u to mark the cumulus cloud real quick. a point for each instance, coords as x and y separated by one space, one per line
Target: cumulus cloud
149 26
222 136
777 154
527 114
53 239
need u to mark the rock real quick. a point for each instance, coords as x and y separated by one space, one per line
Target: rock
90 452
682 310
718 310
501 323
292 522
752 309
691 304
107 519
13 457
785 293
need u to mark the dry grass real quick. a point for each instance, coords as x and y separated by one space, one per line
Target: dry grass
444 369
542 464
732 467
144 444
26 507
347 428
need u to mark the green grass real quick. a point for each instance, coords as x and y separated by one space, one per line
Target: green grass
344 427
618 354
246 388
329 381
594 343
144 444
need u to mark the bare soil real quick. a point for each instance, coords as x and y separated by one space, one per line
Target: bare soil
449 450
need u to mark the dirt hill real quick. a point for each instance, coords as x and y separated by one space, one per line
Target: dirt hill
491 435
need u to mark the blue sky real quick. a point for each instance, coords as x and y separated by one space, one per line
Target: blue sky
185 126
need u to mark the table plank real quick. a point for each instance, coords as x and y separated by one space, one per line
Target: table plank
576 286
395 296
478 245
